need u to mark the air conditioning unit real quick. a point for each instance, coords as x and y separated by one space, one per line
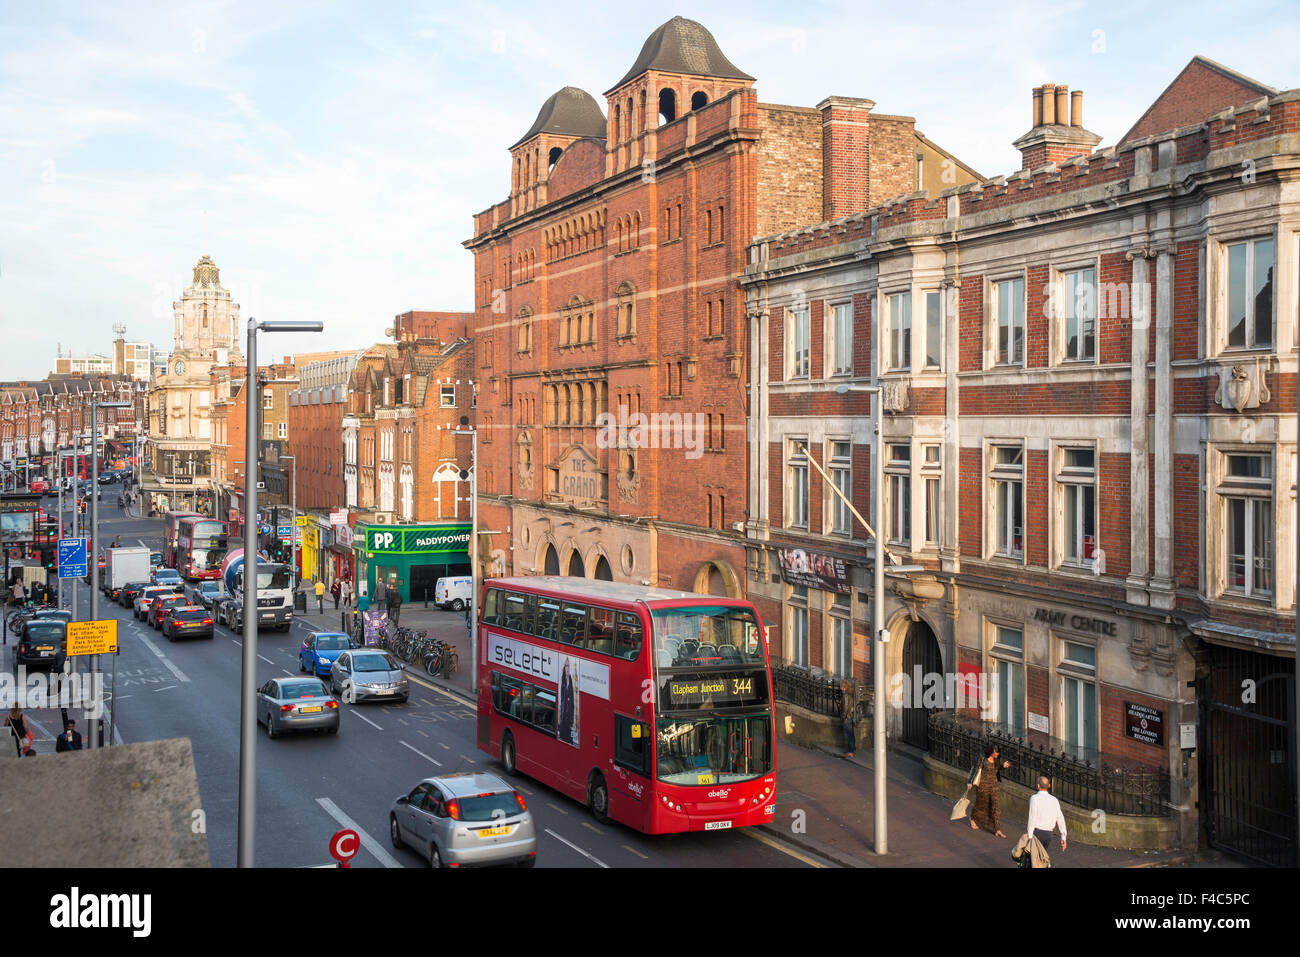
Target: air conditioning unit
383 518
261 486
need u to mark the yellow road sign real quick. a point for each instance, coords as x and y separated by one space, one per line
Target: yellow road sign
92 637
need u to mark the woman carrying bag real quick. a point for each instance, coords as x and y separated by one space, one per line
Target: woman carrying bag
963 803
986 815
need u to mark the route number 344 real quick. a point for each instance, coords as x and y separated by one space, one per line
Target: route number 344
741 686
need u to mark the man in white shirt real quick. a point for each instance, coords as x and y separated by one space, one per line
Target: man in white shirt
1045 814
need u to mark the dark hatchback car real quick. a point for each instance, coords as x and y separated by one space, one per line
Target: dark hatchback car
44 642
188 621
126 597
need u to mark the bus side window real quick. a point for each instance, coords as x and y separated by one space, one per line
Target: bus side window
491 606
512 615
544 622
627 638
573 625
526 618
601 631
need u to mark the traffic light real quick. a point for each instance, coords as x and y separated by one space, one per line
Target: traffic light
50 560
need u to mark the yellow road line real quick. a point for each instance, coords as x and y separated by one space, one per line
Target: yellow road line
777 845
592 826
455 697
636 852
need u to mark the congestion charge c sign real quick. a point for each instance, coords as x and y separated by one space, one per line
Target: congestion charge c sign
343 847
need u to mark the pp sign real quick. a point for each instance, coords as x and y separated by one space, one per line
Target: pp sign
383 541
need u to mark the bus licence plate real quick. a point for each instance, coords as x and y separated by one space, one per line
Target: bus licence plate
716 825
310 710
493 831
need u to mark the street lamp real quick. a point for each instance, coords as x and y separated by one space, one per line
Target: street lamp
293 525
471 475
248 688
94 531
878 634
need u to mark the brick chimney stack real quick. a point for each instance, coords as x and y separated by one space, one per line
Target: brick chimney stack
846 155
1058 131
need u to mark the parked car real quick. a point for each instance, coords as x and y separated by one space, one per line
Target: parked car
188 621
369 674
320 650
162 606
107 478
458 820
296 704
155 559
44 642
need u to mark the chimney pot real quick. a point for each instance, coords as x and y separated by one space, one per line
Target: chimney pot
1038 107
1063 105
1049 104
1076 108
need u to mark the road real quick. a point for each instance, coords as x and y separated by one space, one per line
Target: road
311 785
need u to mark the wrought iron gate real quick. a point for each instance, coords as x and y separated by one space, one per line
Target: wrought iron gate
920 650
1248 727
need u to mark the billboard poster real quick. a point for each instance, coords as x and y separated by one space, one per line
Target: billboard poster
814 570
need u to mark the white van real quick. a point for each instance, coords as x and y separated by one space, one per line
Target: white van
453 593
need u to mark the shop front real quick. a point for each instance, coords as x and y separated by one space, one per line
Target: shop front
411 558
309 550
340 559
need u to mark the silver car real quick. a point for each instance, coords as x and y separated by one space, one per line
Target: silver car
369 674
296 704
466 819
146 597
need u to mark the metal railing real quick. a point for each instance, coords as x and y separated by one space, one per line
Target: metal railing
960 742
819 694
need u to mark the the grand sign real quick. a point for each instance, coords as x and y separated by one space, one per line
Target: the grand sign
581 481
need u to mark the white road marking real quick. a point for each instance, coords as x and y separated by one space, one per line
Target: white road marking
168 688
354 711
142 544
425 733
238 642
368 842
445 747
180 675
589 857
266 659
420 753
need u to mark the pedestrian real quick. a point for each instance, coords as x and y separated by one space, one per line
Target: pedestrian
16 722
20 594
70 739
848 717
346 589
381 593
320 596
335 590
117 542
986 814
394 604
1045 814
363 599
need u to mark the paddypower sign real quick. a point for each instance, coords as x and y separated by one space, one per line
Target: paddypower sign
418 539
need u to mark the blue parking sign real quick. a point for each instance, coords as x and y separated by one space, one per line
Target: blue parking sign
72 558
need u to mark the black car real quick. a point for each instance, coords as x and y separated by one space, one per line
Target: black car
44 642
188 622
155 559
126 597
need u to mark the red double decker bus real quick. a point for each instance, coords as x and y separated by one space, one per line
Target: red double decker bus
653 707
201 545
171 536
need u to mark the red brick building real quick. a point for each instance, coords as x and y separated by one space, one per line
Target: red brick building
613 349
1098 540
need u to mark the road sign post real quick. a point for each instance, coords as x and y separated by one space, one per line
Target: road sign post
72 558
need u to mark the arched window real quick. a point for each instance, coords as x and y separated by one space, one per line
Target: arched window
554 158
625 324
603 571
631 130
699 99
575 565
643 116
551 561
667 106
618 123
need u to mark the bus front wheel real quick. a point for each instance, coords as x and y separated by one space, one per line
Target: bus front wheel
598 797
508 754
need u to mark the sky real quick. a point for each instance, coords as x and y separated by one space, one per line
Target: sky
329 156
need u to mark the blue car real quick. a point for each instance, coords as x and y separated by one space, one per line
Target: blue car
320 649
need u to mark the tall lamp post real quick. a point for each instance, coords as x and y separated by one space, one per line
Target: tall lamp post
248 683
293 525
878 633
471 475
93 559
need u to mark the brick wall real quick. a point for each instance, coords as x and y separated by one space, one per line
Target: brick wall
789 164
893 157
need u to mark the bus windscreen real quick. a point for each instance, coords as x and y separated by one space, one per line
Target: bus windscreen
707 636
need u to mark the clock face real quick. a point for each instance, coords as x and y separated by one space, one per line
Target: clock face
179 368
